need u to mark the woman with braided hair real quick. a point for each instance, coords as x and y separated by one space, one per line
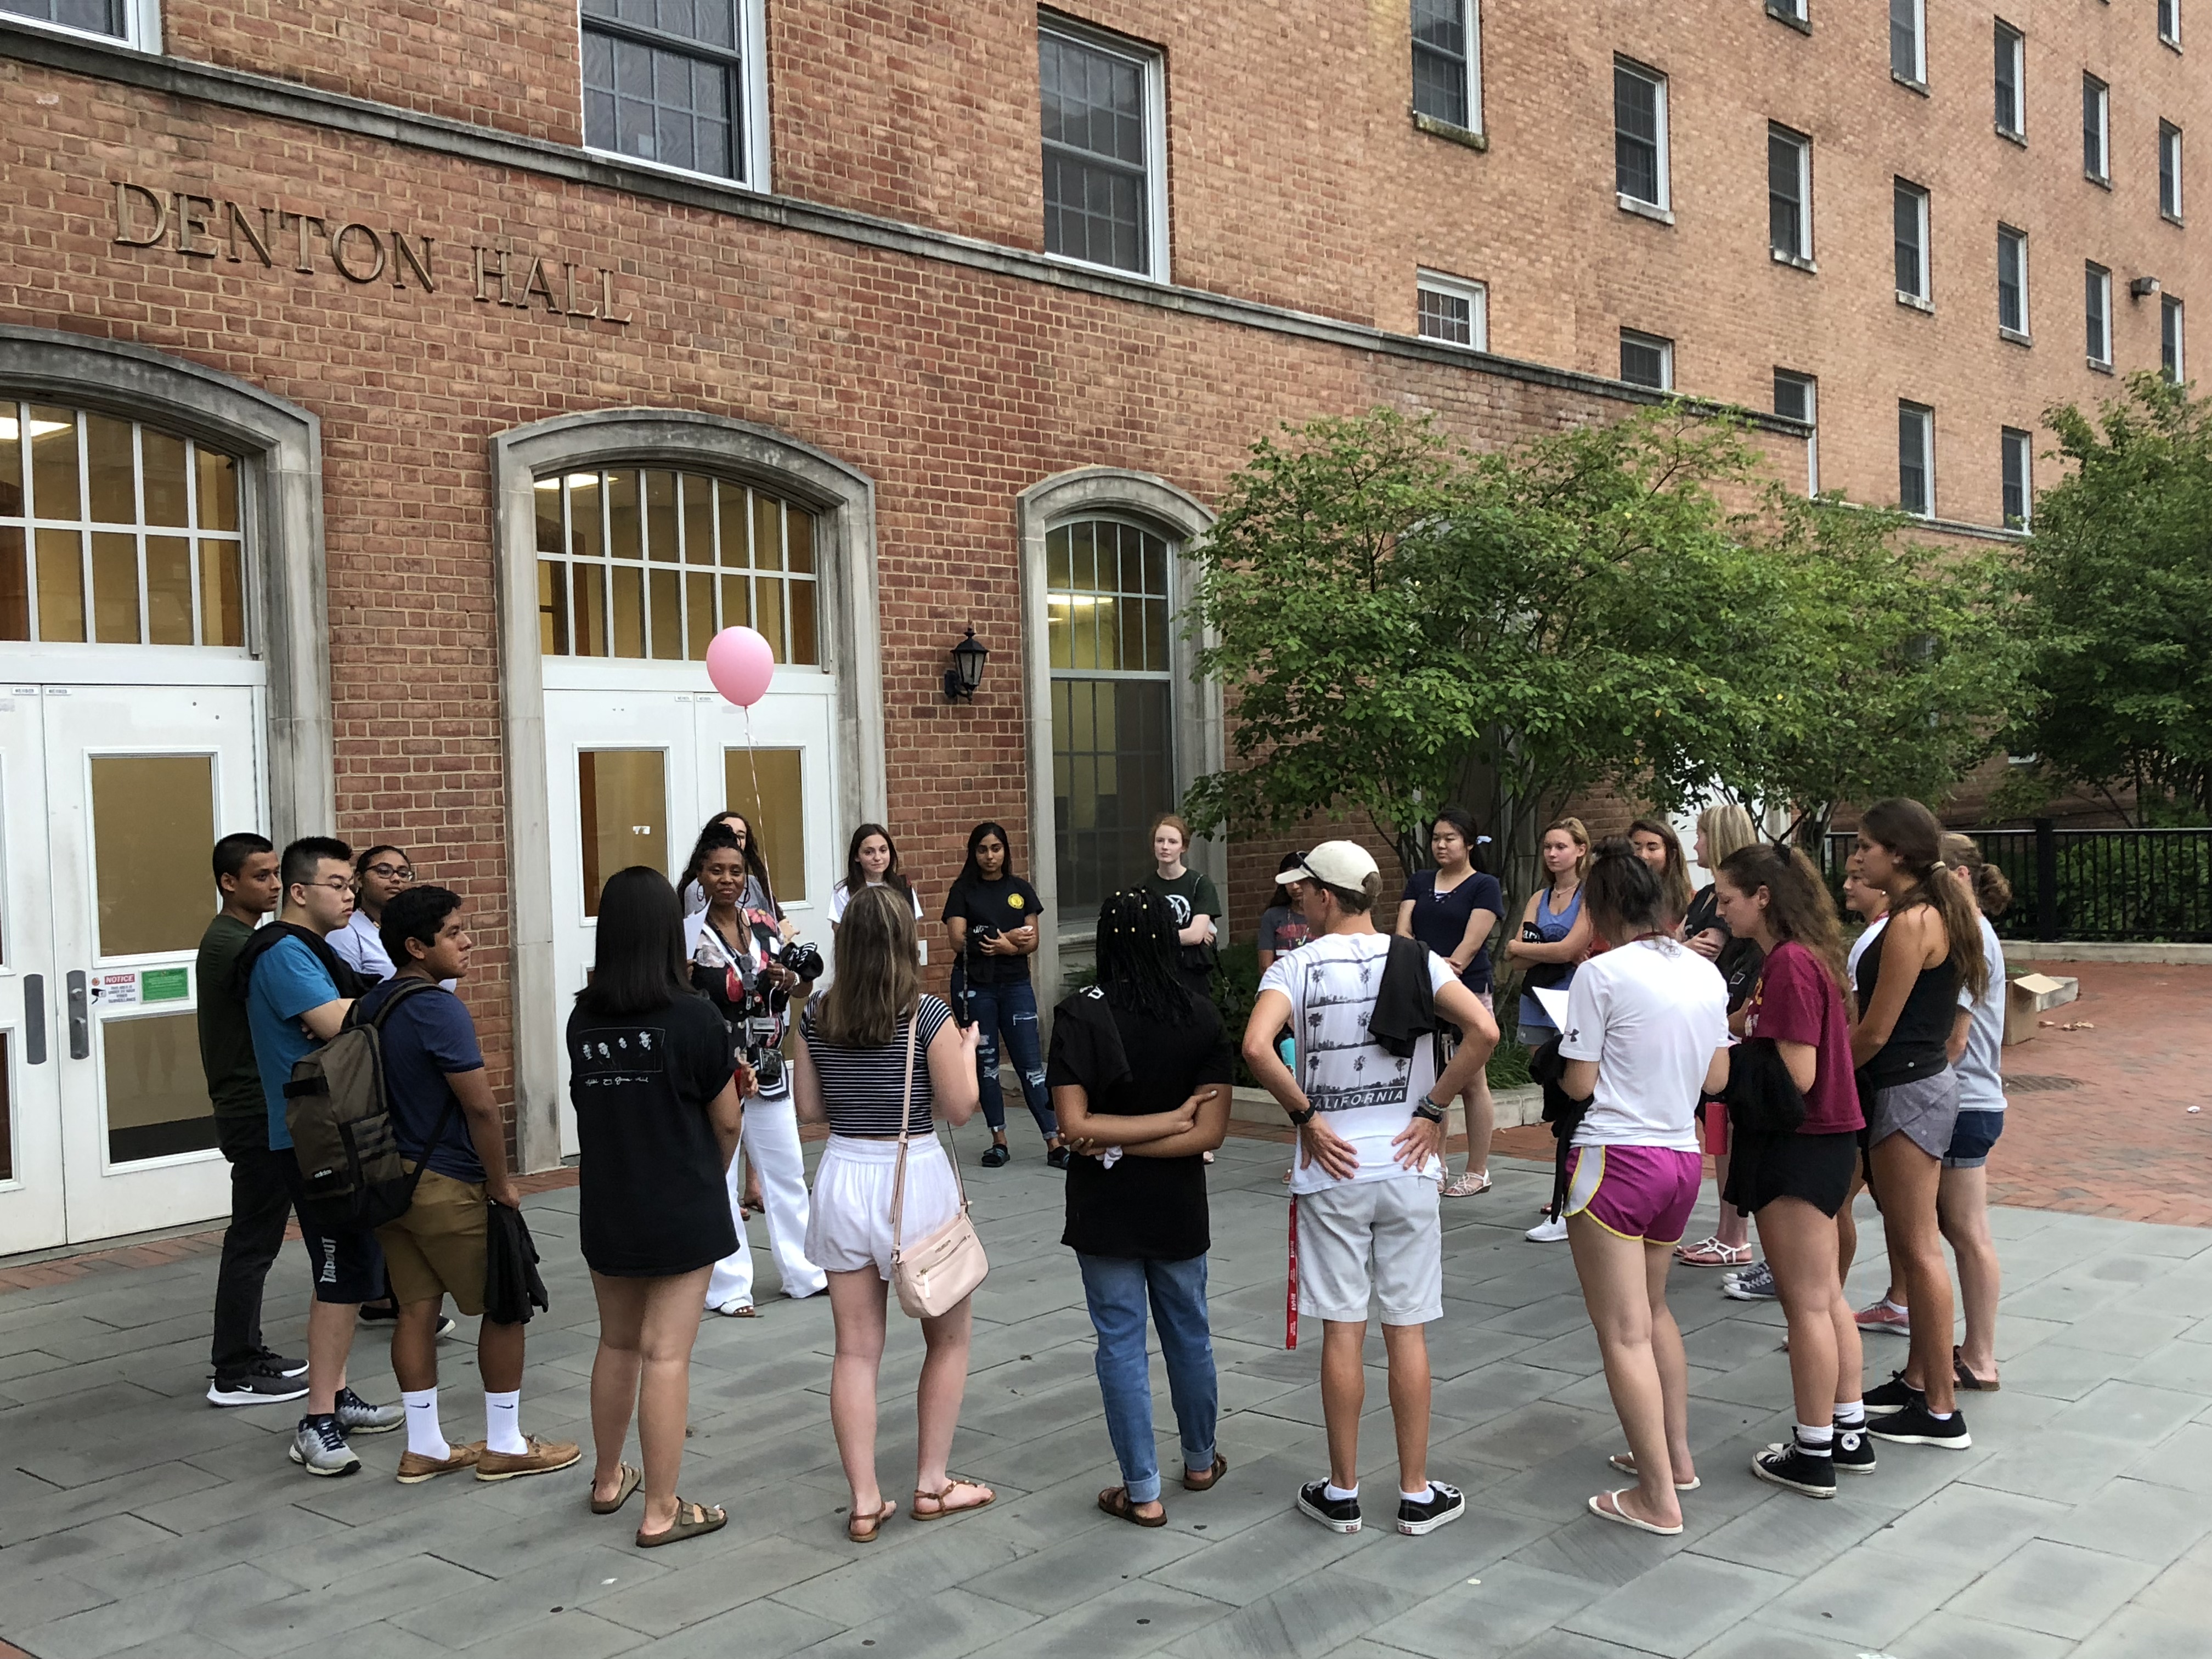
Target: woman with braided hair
1139 1075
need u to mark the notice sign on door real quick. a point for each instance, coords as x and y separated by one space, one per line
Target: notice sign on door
116 990
164 985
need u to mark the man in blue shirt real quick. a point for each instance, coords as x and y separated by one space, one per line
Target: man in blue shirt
294 1002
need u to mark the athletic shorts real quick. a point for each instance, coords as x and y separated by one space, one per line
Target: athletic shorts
1925 1111
437 1248
347 1267
1638 1192
1379 1241
1976 1132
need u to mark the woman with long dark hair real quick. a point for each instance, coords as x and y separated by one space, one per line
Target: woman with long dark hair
991 916
658 1086
759 895
849 1066
1647 1027
1793 1181
871 859
1908 999
1453 909
1139 1075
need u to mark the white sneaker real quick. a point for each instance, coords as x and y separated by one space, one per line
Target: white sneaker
1550 1230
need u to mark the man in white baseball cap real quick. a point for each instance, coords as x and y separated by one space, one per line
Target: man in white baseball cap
1370 1128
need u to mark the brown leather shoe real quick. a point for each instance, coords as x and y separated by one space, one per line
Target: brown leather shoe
415 1468
543 1458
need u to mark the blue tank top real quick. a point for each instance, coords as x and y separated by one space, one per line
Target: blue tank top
1554 926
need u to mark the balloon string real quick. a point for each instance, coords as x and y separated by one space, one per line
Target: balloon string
752 762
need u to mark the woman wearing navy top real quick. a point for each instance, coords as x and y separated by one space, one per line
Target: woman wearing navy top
1453 909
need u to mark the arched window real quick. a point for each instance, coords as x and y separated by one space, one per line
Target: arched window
116 532
652 563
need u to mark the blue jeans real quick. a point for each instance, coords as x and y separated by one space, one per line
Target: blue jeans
1012 1010
1116 1288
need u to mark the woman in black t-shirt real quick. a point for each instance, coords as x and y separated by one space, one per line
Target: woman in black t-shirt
1453 910
657 1083
1140 1074
991 916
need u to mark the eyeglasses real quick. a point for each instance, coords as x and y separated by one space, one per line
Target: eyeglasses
393 872
336 884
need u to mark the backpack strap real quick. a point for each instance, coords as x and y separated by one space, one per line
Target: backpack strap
403 988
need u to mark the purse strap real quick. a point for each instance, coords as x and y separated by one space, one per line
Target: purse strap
906 1114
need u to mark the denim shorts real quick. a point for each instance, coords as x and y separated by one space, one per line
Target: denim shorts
1977 1130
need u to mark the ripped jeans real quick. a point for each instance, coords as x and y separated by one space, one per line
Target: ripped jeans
1010 1010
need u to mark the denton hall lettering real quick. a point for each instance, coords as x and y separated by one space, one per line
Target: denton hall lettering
206 228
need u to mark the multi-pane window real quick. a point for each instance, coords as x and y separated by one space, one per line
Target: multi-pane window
2169 339
2018 459
1647 359
1916 459
1108 627
2011 82
2012 280
2096 130
1908 40
1454 312
1788 193
2097 301
1640 133
113 532
1103 193
1797 396
2169 21
668 81
1448 61
1790 11
649 563
1911 221
2169 169
110 17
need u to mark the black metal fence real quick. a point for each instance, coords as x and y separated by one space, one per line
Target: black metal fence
2118 884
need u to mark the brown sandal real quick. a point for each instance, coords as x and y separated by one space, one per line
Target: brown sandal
626 1483
1962 1375
1203 1482
862 1528
1114 1500
705 1519
952 1484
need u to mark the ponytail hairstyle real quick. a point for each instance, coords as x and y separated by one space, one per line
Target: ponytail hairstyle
1727 828
1915 839
1622 896
879 980
1137 957
1579 833
1797 902
1992 891
856 878
1674 878
1464 821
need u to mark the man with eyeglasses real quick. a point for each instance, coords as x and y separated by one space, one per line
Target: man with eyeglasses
297 993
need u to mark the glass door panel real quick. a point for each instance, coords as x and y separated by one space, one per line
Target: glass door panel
765 785
144 807
622 814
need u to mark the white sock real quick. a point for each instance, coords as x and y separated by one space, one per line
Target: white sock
1816 1441
425 1437
1942 1416
502 1422
1421 1497
1895 1307
1851 1416
1337 1494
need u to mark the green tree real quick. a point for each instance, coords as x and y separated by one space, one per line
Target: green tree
2116 611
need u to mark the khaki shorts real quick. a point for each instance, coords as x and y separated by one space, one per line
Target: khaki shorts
437 1248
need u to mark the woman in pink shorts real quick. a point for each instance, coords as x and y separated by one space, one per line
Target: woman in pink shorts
1646 1030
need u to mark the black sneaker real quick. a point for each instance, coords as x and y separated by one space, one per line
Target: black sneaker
1852 1451
1444 1505
263 1385
1915 1427
1793 1466
998 1157
283 1364
1893 1396
1058 1157
1337 1513
375 1313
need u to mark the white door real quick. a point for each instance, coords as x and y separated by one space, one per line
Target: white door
113 792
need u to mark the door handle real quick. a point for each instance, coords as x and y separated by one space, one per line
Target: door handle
34 1019
80 1016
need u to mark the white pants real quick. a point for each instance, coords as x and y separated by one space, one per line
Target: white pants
771 1146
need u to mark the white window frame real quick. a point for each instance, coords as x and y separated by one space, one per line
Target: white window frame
2102 173
2169 137
2170 307
1664 207
1803 144
2095 278
1155 144
2023 334
1663 346
1798 12
1477 294
1923 298
2011 442
1927 416
2169 23
1811 387
1472 14
752 68
141 27
1918 78
2007 35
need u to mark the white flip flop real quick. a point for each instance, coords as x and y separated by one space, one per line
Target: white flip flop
1620 1517
1626 1462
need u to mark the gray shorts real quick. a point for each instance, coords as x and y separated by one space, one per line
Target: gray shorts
1924 1111
1379 1241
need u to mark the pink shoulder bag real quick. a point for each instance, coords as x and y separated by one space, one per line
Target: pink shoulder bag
938 1272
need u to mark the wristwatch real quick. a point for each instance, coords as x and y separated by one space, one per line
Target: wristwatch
1429 1110
1299 1120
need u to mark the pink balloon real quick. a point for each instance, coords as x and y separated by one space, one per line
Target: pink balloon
741 665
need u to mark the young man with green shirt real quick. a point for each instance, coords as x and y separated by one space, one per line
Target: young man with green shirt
247 1373
1193 899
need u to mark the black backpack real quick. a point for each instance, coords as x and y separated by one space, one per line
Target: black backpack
340 1119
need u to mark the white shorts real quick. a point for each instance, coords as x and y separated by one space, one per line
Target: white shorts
850 1226
1372 1240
